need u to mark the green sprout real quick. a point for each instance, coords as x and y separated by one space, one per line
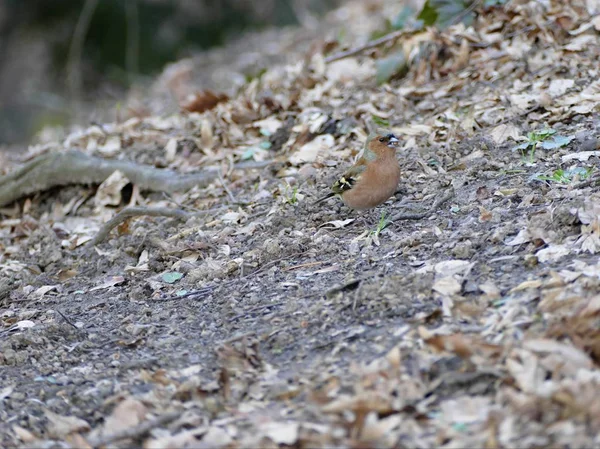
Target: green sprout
533 139
561 176
546 139
383 223
290 195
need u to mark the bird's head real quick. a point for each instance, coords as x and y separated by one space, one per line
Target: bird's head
382 143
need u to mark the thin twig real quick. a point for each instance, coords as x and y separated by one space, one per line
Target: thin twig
135 432
255 309
419 215
592 181
371 44
67 319
229 193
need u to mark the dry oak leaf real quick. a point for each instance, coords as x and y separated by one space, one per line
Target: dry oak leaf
364 402
459 344
60 426
203 100
127 414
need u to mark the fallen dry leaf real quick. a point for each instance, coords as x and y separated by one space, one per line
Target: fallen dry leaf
203 100
128 413
309 151
60 426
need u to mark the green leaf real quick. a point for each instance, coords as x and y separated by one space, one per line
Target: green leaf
557 141
400 21
249 153
583 173
522 146
380 121
453 11
387 68
565 176
170 277
538 136
447 12
428 14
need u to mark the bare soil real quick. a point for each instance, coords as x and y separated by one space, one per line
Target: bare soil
288 325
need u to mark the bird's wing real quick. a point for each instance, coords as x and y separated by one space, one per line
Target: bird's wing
349 179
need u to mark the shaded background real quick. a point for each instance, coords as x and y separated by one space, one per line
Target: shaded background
56 56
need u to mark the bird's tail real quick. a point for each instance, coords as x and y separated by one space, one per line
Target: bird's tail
329 195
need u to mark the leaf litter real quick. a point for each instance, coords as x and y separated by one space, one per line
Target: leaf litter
474 326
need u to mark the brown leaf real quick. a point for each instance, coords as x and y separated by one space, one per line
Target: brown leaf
203 100
462 345
23 434
60 426
583 329
365 402
127 414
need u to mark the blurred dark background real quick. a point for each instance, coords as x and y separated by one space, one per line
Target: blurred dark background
56 55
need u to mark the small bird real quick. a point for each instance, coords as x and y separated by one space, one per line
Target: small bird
374 176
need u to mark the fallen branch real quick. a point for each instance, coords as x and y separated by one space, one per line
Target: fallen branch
371 44
137 212
393 36
419 215
135 432
73 167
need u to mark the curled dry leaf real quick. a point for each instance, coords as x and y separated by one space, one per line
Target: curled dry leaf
109 192
502 133
453 267
282 432
364 402
269 125
216 437
447 286
569 354
338 224
23 434
111 146
129 413
60 426
462 345
110 282
181 440
202 101
309 151
522 237
40 292
536 283
552 253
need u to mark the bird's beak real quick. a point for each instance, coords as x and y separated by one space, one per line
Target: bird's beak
393 141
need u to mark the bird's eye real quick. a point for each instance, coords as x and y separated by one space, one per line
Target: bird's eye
382 139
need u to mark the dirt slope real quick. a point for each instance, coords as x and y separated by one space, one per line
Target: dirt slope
265 321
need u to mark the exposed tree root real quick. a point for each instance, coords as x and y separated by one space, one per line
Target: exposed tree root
73 167
136 212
